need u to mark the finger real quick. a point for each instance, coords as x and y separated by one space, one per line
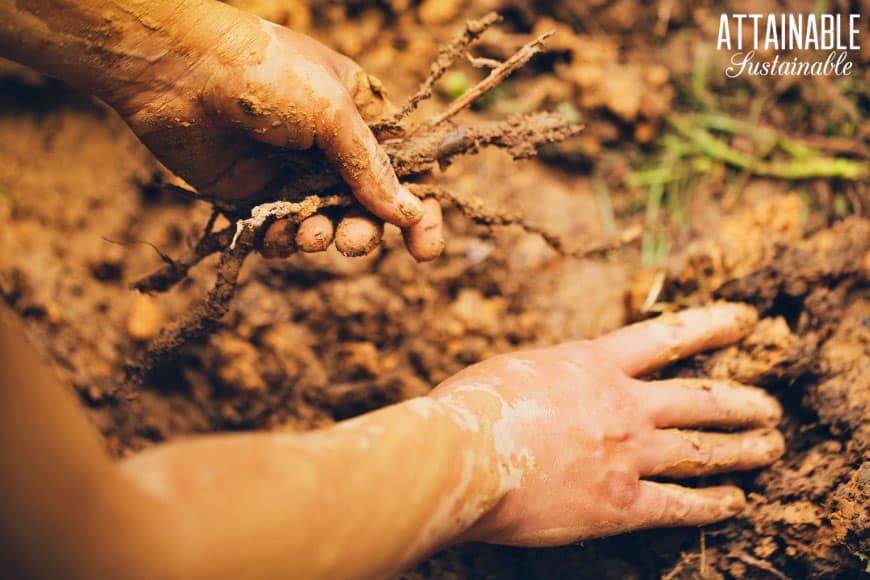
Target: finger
425 239
363 164
649 345
707 403
279 240
664 504
315 234
676 453
358 234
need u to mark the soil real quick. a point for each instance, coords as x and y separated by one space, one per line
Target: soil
318 338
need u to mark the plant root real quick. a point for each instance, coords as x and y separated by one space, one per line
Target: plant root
200 319
311 183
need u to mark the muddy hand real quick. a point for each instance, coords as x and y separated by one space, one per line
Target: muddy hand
220 110
356 234
576 435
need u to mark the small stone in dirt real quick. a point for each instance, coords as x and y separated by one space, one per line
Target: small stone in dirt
239 363
361 357
476 312
145 318
439 11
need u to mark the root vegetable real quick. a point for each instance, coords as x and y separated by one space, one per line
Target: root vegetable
278 214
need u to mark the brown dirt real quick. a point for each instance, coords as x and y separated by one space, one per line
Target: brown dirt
318 338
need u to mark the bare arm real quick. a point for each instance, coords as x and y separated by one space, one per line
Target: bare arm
542 447
66 511
112 48
362 499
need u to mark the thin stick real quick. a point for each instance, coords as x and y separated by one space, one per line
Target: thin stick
175 270
703 565
474 210
447 57
495 77
213 242
760 564
200 318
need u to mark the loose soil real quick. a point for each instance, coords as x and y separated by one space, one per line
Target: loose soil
318 338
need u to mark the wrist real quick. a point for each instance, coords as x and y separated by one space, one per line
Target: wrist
487 475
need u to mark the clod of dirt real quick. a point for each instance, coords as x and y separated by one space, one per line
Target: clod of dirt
145 318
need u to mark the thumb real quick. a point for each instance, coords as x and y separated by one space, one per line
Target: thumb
367 91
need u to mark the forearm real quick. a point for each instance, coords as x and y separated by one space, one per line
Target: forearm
65 510
118 48
363 499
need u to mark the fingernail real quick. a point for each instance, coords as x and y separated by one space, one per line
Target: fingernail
775 444
315 234
736 502
409 204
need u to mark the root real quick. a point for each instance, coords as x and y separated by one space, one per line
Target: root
176 269
310 183
496 76
200 319
294 212
447 57
474 209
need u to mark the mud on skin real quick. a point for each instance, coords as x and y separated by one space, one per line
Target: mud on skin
809 516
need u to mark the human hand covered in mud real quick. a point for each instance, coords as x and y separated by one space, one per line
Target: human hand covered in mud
577 437
267 89
220 96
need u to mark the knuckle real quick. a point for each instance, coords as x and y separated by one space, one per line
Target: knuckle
621 489
584 353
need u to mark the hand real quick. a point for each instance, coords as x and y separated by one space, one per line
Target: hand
233 95
576 436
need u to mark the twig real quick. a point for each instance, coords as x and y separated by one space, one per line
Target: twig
200 318
447 57
496 76
165 257
760 564
474 210
175 270
481 62
702 567
288 210
520 136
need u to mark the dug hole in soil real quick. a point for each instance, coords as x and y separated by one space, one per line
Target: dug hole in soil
319 338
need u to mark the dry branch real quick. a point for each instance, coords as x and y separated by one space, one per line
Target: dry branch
447 57
495 77
176 270
474 209
200 318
